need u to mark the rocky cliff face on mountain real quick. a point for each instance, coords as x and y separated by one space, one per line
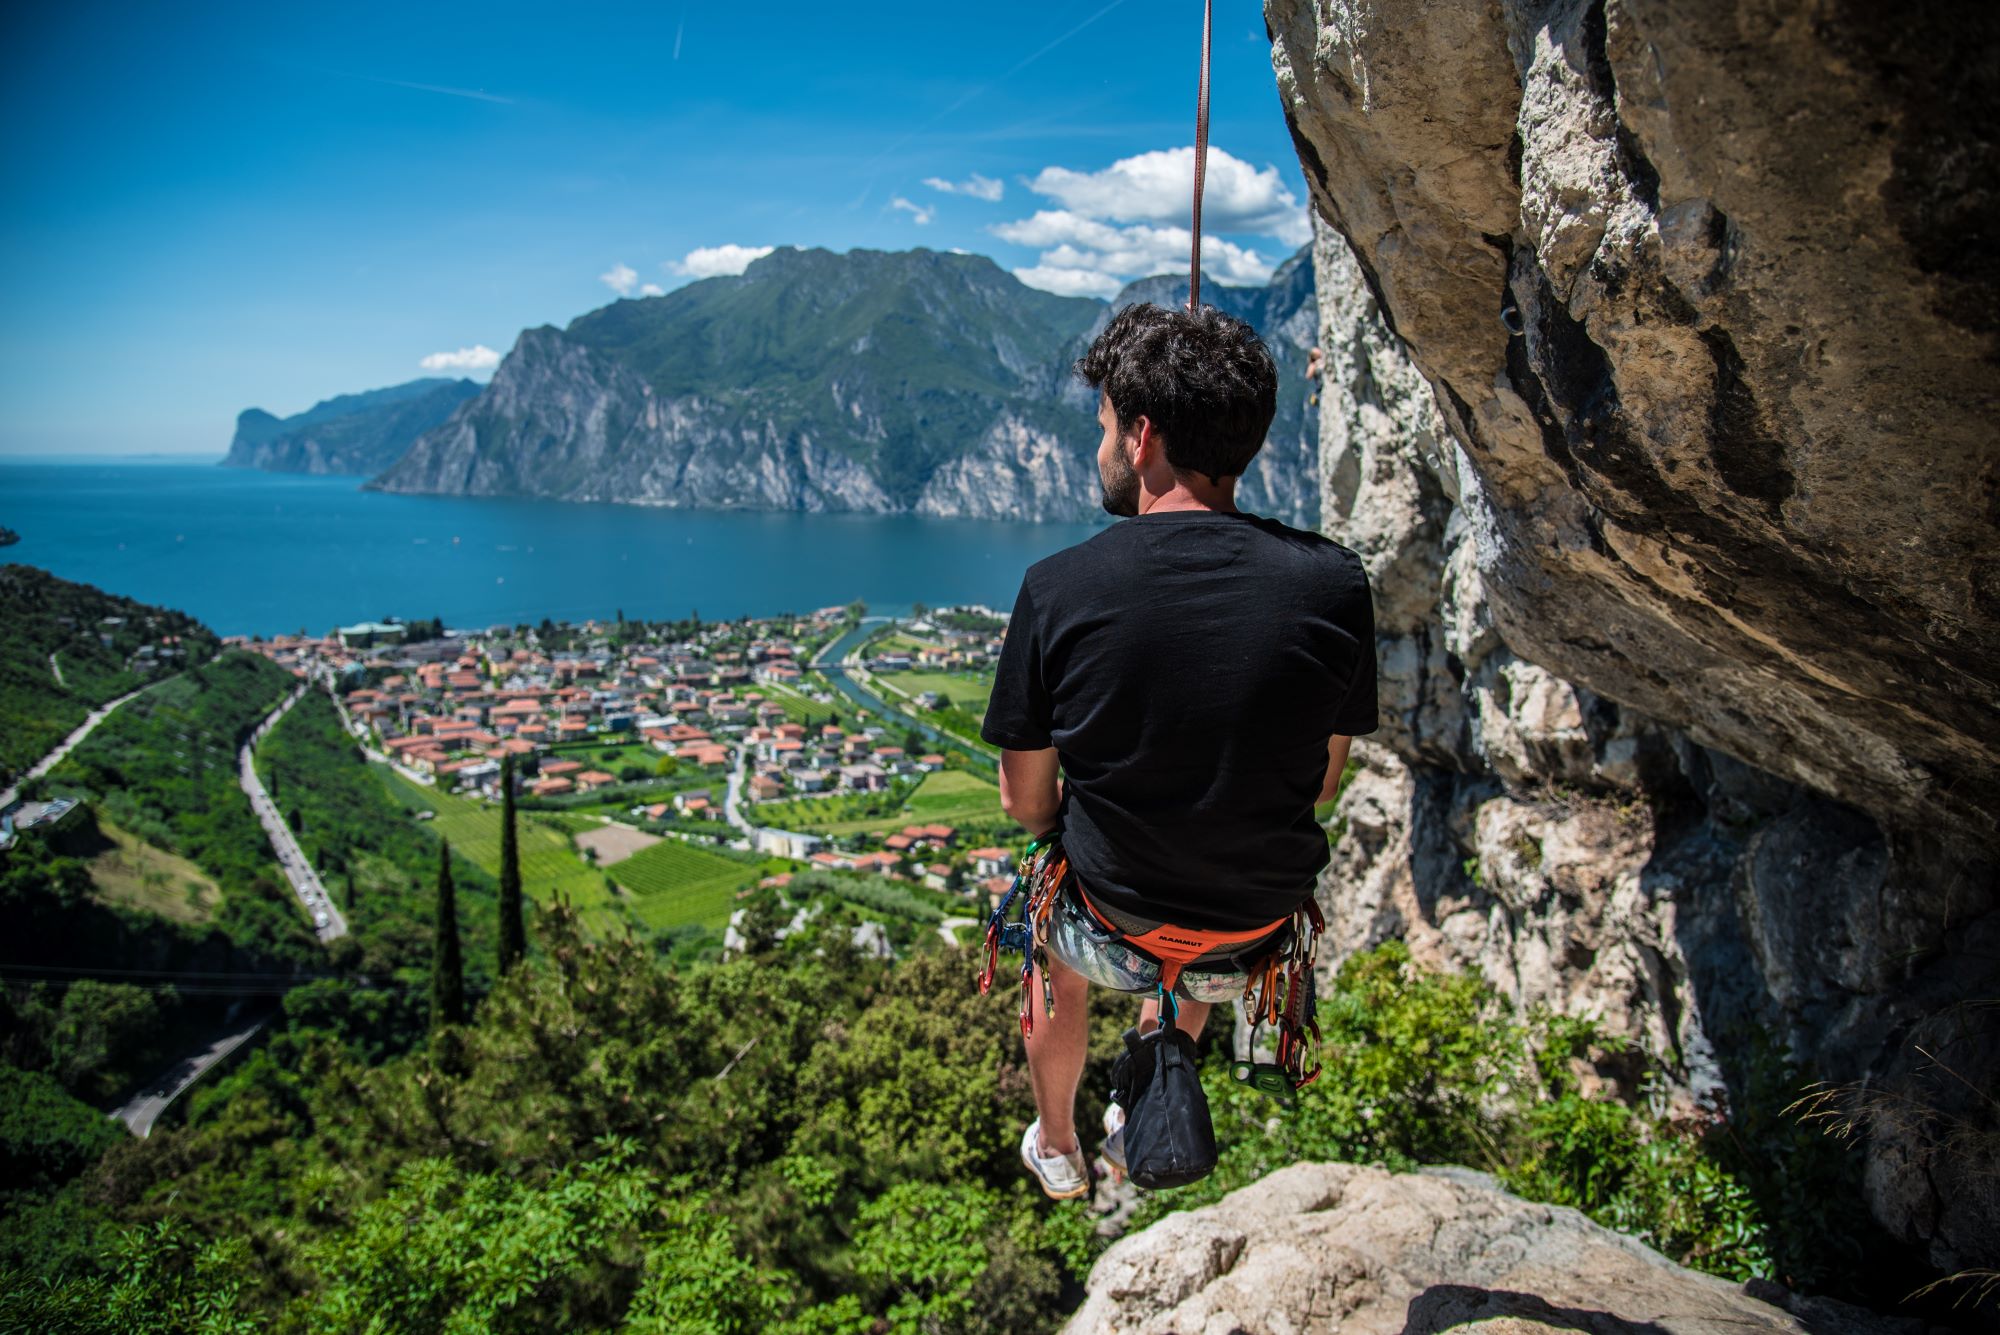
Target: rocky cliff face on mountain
354 434
1660 405
909 382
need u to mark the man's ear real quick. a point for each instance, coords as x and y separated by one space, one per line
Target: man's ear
1145 441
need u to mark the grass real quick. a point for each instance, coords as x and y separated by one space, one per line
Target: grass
548 867
566 822
801 709
612 758
968 690
953 791
133 874
896 642
674 883
948 797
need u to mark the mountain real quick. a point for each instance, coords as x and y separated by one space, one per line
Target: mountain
354 433
883 382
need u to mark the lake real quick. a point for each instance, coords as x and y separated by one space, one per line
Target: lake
265 553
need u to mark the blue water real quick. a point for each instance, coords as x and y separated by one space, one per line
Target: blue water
263 553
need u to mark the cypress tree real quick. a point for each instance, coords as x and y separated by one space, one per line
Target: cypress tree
447 970
513 938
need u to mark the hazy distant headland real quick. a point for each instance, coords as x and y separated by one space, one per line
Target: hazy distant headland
357 434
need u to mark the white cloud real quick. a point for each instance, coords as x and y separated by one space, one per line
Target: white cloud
1158 187
975 185
1130 221
716 261
1097 253
918 213
621 279
479 357
652 290
1069 282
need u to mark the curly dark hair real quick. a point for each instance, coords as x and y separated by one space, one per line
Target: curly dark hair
1204 379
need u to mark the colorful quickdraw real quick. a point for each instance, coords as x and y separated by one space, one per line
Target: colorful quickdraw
1284 994
1041 873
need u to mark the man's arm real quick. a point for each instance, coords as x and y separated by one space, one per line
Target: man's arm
1336 761
1029 791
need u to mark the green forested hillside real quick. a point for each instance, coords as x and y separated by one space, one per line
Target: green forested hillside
800 1140
55 626
164 768
378 865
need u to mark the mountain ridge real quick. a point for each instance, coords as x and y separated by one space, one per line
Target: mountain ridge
917 382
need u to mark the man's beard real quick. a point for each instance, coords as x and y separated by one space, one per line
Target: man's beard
1120 483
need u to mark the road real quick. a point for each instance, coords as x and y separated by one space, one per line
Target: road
55 670
145 1107
54 758
305 881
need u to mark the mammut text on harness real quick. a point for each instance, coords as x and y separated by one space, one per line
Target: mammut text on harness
1278 988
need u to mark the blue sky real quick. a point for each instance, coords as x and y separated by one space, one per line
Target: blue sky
214 206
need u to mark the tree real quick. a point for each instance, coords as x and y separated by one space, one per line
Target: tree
447 969
513 937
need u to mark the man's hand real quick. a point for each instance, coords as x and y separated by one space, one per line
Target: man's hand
1029 791
1336 762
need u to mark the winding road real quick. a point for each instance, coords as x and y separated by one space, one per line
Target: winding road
328 924
145 1107
54 758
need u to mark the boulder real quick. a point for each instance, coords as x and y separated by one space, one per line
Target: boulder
1362 1251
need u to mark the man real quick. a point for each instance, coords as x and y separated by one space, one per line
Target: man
1195 675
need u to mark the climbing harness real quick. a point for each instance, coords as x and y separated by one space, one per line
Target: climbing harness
1278 988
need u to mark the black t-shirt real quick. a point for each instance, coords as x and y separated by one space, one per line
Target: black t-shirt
1189 667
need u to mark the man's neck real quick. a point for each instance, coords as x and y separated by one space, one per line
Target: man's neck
1199 494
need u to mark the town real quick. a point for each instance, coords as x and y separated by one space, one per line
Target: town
805 738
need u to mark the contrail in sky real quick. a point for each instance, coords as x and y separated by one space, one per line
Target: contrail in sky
679 28
476 94
988 87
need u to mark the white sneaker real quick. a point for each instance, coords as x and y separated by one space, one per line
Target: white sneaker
1062 1175
1113 1148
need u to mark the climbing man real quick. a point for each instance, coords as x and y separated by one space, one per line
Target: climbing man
1173 698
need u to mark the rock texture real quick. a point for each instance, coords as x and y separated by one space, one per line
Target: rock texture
1660 407
1337 1247
354 434
882 383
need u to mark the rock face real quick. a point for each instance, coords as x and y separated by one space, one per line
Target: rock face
354 434
1659 404
1337 1247
883 383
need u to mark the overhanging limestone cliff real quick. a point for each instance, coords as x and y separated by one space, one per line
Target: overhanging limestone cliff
1661 405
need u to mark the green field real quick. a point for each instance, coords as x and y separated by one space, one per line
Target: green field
801 709
953 792
609 757
968 691
948 797
895 642
548 867
673 883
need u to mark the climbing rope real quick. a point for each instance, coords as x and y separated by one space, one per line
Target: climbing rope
1200 154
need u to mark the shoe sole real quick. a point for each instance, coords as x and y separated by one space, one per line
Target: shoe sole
1047 1190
